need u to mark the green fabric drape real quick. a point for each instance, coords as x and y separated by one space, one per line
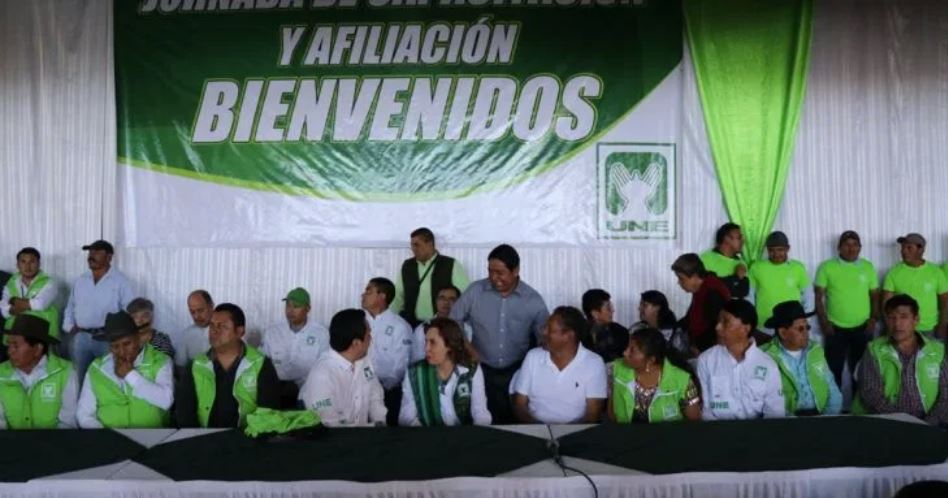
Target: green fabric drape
751 59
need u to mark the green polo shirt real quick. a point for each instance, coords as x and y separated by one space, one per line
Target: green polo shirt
719 264
847 286
924 283
774 284
423 309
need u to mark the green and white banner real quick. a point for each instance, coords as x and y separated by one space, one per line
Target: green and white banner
282 122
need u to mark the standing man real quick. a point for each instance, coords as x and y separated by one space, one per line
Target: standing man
30 289
391 348
847 301
131 386
294 345
422 276
95 294
921 280
777 279
193 340
725 260
229 382
507 318
38 390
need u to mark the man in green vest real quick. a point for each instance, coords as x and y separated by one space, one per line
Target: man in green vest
228 382
131 386
809 387
905 371
422 276
30 289
38 390
725 261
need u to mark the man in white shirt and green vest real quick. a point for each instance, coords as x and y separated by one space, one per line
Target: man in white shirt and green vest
38 390
131 386
422 276
221 387
30 289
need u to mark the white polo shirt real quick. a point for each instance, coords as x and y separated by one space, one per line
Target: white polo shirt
294 353
747 389
344 393
391 348
559 396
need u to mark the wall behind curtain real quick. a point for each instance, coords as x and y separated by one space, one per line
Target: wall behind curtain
870 153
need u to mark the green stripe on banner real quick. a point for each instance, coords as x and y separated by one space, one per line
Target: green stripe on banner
751 61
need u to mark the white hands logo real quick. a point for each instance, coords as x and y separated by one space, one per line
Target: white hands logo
636 191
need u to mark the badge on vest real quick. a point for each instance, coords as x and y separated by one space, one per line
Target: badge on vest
760 372
49 392
932 371
250 381
671 411
464 390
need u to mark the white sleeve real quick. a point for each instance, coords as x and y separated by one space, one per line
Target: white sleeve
377 410
522 378
774 403
87 407
597 385
159 393
69 314
418 343
70 397
408 413
704 379
6 308
45 297
479 411
317 395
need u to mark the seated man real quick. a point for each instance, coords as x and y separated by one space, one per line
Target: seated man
606 338
905 371
131 386
30 289
809 387
564 383
225 385
343 388
738 380
391 350
38 390
294 345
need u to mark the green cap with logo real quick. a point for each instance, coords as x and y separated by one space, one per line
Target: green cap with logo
298 296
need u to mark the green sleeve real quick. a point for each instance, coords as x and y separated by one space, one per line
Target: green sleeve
459 276
399 302
942 281
822 279
802 277
871 274
753 277
889 283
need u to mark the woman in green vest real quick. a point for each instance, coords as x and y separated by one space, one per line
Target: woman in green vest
652 383
447 387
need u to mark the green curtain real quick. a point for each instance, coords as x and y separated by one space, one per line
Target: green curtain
751 59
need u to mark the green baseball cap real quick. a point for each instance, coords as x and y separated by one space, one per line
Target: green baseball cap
298 296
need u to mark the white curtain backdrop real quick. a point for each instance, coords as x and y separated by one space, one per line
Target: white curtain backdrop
870 156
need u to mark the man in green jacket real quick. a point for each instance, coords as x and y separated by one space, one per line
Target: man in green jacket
131 386
38 390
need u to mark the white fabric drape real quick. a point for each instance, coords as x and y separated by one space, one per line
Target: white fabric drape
870 156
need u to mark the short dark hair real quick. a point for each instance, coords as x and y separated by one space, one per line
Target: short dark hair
32 341
449 287
507 255
901 300
572 319
666 317
689 265
593 299
345 327
722 232
28 250
742 310
205 295
385 286
424 234
236 314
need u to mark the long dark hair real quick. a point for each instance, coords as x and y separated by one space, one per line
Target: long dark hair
454 340
653 345
666 317
571 318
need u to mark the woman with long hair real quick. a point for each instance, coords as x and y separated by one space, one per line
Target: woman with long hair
652 382
655 313
447 387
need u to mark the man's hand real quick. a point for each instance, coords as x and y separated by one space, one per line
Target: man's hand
122 367
740 271
19 305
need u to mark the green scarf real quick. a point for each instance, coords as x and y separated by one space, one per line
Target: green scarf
426 389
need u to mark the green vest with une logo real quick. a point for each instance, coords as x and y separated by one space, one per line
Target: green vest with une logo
666 404
245 384
816 368
116 407
927 370
50 314
39 407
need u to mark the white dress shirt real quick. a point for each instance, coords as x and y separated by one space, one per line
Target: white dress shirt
408 414
67 410
344 393
159 393
43 299
559 396
294 353
745 389
189 343
89 301
391 348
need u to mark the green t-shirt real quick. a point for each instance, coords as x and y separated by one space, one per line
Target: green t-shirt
847 290
774 284
719 264
924 283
